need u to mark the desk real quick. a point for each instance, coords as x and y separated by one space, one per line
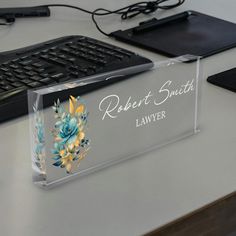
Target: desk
136 196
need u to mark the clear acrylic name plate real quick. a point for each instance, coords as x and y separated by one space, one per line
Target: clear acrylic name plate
91 123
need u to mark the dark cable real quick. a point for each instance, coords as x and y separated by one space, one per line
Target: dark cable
130 11
95 22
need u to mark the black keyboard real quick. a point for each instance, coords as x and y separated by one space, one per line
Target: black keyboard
55 61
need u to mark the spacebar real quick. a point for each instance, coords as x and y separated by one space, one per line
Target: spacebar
12 93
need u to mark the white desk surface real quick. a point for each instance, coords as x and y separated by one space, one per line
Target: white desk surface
135 196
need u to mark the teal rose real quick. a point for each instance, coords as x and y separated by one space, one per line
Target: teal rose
68 130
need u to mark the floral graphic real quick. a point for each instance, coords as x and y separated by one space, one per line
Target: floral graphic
39 140
70 143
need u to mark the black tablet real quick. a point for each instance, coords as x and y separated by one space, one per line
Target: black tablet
189 32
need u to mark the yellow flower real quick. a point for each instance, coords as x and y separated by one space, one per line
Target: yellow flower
67 162
71 148
80 109
81 135
72 102
62 153
77 142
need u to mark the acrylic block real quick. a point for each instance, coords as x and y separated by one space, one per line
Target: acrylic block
88 124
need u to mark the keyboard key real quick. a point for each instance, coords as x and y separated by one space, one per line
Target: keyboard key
71 59
38 64
26 81
18 71
2 77
4 69
45 75
36 77
21 77
44 57
8 74
7 87
40 70
53 54
15 60
47 81
74 67
17 84
24 58
29 68
102 62
74 74
13 66
58 61
94 68
62 56
83 70
30 73
11 79
25 63
57 76
53 48
35 84
36 54
3 82
66 50
127 53
45 51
